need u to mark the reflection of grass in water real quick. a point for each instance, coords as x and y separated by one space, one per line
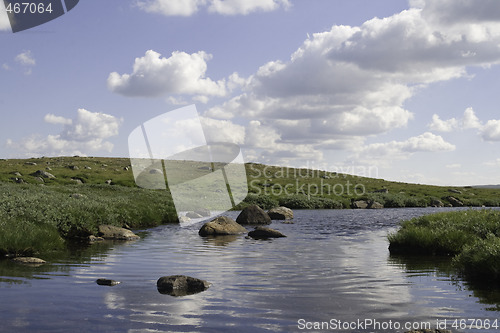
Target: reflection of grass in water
416 265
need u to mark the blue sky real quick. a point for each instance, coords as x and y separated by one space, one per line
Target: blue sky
409 89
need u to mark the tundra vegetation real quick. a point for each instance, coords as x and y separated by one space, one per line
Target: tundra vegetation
40 213
471 237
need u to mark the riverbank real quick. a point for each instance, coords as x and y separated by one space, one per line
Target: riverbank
45 201
39 219
471 237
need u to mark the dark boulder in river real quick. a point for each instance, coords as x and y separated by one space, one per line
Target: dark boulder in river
264 233
253 215
221 225
181 285
107 282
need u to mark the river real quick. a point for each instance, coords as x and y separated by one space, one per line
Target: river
333 269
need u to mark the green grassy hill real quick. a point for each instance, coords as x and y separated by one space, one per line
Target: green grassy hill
268 185
38 212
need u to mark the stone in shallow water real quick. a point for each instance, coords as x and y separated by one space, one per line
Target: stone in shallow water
29 261
221 225
107 282
116 233
280 213
181 285
264 233
253 215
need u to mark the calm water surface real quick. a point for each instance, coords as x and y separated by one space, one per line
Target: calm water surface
334 265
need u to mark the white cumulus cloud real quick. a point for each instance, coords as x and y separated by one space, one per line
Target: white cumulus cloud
490 131
394 150
86 133
224 7
181 73
244 7
171 7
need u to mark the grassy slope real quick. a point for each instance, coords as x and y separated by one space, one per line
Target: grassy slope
35 218
264 181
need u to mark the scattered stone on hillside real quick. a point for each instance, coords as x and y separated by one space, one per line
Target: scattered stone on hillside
39 179
43 174
17 174
29 261
375 205
280 213
29 163
359 204
104 165
454 191
383 190
221 225
116 233
181 285
74 167
264 233
455 202
48 168
77 181
107 282
126 168
18 180
203 212
87 167
193 215
205 168
109 182
76 196
253 215
436 203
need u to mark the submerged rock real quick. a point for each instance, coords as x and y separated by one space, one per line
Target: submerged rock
107 282
203 212
263 233
181 285
193 215
221 225
29 261
280 213
253 215
116 233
